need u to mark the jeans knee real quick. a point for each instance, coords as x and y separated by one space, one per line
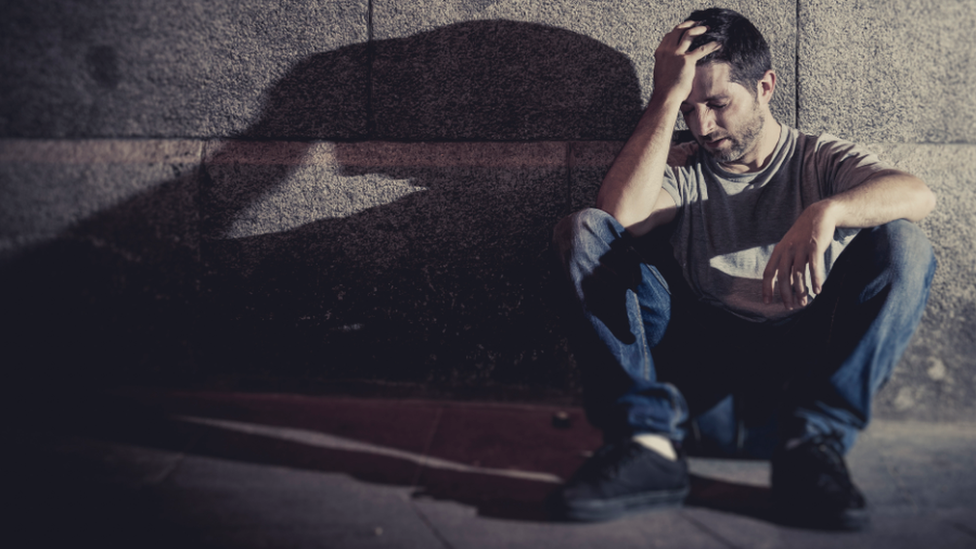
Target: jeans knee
910 255
576 230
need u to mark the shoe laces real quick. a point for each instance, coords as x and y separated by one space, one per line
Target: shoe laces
612 458
830 455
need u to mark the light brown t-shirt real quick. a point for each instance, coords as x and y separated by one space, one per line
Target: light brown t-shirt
728 224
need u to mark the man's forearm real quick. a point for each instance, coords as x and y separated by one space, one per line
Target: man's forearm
629 190
888 196
631 187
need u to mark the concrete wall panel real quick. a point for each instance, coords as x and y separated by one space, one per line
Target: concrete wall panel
182 68
897 72
590 161
474 80
442 70
101 257
517 70
937 378
50 188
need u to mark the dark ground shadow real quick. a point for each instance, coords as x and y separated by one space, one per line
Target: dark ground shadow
65 481
476 471
732 497
64 484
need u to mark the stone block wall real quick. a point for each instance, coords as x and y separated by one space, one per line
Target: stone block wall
365 189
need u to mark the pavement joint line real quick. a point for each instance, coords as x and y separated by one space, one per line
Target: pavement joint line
423 464
430 526
170 470
332 442
425 460
963 528
708 531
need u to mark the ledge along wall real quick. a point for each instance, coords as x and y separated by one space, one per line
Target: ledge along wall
365 190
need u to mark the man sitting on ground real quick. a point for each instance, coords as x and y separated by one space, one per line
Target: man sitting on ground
798 282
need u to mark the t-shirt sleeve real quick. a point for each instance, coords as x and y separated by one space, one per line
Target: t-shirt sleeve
671 185
682 159
842 165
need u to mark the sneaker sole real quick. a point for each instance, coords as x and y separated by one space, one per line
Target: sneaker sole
845 520
609 509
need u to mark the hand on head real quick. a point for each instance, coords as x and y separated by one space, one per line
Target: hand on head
674 64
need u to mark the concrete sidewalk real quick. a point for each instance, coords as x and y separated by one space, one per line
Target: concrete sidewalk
168 469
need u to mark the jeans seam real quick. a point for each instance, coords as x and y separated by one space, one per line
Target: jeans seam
660 278
645 352
833 316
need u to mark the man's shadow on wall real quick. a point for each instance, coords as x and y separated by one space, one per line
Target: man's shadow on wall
447 285
441 285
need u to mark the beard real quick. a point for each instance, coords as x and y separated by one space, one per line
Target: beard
742 139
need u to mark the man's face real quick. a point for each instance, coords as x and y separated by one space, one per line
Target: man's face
725 117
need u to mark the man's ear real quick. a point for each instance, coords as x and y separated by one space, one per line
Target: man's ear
766 86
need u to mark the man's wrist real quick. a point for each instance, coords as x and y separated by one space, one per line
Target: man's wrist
827 211
666 99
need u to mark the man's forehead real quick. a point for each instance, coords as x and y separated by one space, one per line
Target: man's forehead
712 83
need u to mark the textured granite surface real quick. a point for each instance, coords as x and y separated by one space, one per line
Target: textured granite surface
433 70
897 72
177 69
365 190
629 28
938 374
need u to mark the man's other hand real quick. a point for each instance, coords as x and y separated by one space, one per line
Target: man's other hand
800 251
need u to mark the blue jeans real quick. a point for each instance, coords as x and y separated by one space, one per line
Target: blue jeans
655 359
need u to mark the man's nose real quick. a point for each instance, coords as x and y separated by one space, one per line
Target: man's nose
701 123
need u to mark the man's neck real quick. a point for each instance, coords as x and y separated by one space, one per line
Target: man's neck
758 157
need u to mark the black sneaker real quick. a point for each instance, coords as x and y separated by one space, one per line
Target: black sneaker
621 478
812 487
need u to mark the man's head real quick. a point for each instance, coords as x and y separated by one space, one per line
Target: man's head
728 108
743 46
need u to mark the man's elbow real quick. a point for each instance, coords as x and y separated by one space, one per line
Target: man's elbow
916 197
925 200
930 201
